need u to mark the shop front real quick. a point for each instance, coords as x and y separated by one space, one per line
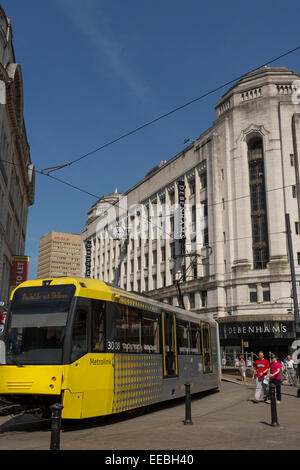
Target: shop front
247 335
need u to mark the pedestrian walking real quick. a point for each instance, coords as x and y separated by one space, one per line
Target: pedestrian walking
283 372
224 361
242 365
275 378
290 371
260 373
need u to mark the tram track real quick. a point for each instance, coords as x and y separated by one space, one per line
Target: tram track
33 422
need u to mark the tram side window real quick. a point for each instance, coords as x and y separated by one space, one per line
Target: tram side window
128 328
195 338
98 312
183 337
79 339
150 333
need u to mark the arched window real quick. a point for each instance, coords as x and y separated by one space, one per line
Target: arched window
260 245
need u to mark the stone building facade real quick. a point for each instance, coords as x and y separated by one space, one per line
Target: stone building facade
238 180
16 169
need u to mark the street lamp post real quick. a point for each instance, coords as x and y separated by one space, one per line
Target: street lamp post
296 343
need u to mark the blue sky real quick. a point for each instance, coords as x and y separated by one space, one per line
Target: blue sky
95 69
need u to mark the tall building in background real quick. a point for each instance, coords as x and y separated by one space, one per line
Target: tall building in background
16 169
234 183
59 255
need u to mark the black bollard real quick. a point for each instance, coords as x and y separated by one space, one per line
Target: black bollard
273 405
188 413
55 426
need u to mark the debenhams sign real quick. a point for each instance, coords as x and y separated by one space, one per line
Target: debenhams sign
274 329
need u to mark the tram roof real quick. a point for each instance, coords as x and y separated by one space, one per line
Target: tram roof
97 289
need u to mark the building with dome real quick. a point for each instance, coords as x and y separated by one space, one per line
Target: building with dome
16 169
213 218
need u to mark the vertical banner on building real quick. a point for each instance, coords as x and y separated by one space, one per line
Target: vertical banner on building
88 258
180 229
19 271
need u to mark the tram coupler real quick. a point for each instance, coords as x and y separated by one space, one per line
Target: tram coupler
13 409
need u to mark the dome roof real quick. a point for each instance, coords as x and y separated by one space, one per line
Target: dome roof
262 76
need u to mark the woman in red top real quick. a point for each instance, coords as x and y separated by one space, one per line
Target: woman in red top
275 378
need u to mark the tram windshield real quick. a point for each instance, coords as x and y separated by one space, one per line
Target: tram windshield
37 324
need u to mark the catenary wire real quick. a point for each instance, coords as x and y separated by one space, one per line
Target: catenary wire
162 116
149 217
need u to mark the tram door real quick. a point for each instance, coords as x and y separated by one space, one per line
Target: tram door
206 348
170 361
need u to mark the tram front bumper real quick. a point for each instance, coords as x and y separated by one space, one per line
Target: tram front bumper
30 380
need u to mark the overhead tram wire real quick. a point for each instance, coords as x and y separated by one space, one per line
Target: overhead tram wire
149 217
40 172
162 116
157 226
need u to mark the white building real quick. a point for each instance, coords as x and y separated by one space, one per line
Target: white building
239 179
16 169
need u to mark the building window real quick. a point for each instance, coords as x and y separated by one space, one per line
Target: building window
154 281
205 236
195 270
192 187
266 291
204 208
298 257
252 293
205 263
172 249
297 228
291 159
154 257
203 297
163 253
260 246
172 225
192 300
203 180
294 191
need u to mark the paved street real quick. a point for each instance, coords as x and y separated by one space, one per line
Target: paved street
224 420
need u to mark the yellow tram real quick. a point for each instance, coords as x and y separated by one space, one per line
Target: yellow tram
100 350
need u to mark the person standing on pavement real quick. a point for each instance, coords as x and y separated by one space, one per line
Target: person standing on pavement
275 378
290 371
261 370
243 369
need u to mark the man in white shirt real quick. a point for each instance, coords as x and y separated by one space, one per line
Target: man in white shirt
290 371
